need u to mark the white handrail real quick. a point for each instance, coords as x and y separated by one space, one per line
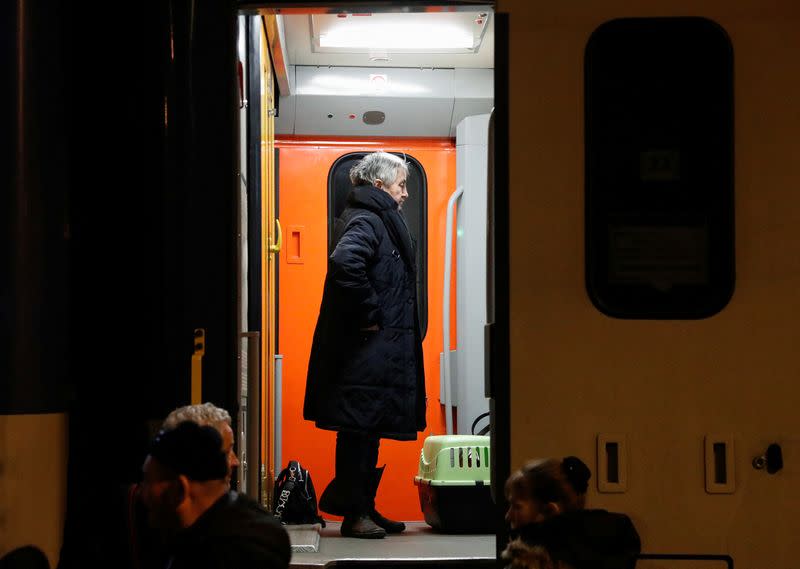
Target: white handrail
278 414
448 264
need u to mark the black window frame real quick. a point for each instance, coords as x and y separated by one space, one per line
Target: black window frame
417 196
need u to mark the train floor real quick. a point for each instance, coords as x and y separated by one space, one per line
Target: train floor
417 547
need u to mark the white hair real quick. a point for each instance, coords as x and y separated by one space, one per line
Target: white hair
377 166
202 414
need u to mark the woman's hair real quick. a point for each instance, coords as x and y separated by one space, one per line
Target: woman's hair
202 414
377 166
551 480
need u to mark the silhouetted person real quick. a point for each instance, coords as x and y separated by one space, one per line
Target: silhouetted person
213 416
144 547
186 494
552 530
25 557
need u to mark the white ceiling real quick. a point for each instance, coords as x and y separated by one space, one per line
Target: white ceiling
300 49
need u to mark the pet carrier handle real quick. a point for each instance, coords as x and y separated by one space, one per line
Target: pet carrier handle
484 430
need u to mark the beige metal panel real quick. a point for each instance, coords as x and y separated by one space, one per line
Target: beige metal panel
665 385
474 94
284 122
414 102
33 482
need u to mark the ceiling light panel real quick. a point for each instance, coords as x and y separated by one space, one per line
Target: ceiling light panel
448 32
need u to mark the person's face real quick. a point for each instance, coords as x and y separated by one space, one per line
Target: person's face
522 511
397 189
227 447
160 495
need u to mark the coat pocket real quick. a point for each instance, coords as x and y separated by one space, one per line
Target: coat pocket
363 358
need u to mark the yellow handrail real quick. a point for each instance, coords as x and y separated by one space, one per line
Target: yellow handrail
276 248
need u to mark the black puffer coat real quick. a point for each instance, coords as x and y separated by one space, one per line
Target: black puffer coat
368 381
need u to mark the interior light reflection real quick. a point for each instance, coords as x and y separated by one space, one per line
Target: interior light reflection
414 36
336 84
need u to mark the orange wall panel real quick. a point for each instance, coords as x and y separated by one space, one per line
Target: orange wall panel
303 170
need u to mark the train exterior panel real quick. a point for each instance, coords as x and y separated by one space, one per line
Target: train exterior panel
661 387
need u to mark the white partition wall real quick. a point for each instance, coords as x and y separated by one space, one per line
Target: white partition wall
471 171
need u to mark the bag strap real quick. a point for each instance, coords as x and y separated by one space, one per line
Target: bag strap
287 482
312 497
295 470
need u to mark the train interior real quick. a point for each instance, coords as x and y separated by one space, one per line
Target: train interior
319 90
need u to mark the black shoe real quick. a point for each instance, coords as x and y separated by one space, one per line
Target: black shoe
390 526
362 527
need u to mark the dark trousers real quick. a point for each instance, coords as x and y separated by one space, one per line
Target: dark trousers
356 453
352 491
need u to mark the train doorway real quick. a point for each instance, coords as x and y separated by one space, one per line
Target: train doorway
313 106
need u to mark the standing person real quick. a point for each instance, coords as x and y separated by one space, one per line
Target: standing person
365 375
208 525
551 528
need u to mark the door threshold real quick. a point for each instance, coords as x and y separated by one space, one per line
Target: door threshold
418 546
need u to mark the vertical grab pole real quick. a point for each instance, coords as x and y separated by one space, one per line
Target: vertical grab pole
448 264
253 466
277 411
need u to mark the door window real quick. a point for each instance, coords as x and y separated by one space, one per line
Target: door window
414 209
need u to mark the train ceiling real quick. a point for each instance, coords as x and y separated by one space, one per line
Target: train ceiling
384 74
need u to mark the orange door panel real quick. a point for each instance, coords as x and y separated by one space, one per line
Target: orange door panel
303 189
